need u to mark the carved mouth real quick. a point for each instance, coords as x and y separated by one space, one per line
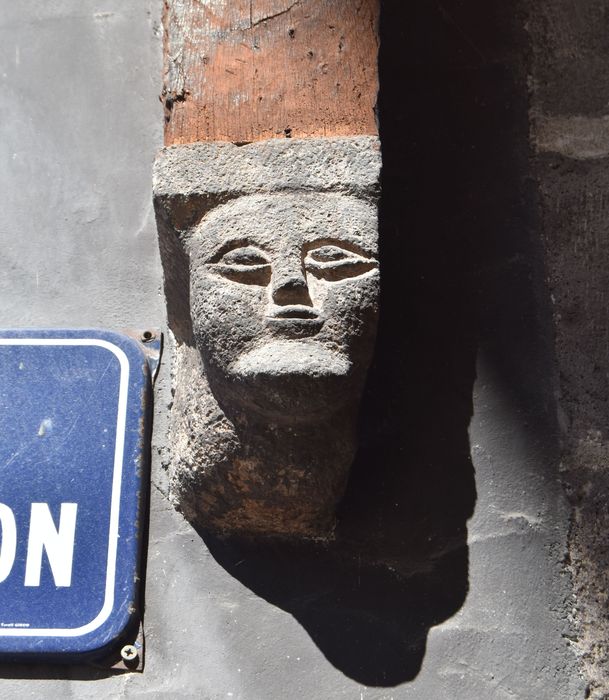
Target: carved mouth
294 311
297 320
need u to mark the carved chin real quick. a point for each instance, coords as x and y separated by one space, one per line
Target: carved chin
292 381
286 358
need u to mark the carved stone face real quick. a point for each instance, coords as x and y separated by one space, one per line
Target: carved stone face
284 297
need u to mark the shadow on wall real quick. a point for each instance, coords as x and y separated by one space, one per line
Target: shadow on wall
455 210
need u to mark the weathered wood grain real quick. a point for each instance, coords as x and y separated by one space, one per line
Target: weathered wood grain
246 70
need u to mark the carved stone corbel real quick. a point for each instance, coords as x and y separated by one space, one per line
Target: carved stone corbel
271 277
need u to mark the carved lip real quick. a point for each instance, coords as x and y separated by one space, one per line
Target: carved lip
296 318
292 311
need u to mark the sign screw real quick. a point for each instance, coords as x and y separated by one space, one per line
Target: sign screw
129 653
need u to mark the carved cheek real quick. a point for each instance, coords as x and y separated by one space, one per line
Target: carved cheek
227 316
350 307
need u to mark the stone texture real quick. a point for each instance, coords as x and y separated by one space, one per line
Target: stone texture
570 89
203 175
270 255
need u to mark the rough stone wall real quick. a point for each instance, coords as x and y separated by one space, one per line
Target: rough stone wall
570 133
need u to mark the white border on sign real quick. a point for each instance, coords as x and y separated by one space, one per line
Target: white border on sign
121 423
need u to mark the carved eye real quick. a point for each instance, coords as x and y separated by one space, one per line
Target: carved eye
333 263
246 264
244 256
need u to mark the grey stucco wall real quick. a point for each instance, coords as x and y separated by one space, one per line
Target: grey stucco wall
456 491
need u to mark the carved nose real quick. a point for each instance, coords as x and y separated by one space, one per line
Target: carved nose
291 288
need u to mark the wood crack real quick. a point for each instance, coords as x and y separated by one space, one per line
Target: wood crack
270 17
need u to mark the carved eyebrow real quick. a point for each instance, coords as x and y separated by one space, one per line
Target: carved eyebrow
339 243
228 246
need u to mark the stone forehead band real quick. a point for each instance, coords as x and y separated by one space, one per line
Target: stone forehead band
190 180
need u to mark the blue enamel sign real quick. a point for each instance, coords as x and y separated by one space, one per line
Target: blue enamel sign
74 416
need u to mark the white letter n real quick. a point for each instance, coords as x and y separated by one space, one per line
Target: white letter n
58 542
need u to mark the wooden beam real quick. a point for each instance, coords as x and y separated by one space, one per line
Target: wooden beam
246 70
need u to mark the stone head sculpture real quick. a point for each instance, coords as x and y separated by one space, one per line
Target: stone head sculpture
272 282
